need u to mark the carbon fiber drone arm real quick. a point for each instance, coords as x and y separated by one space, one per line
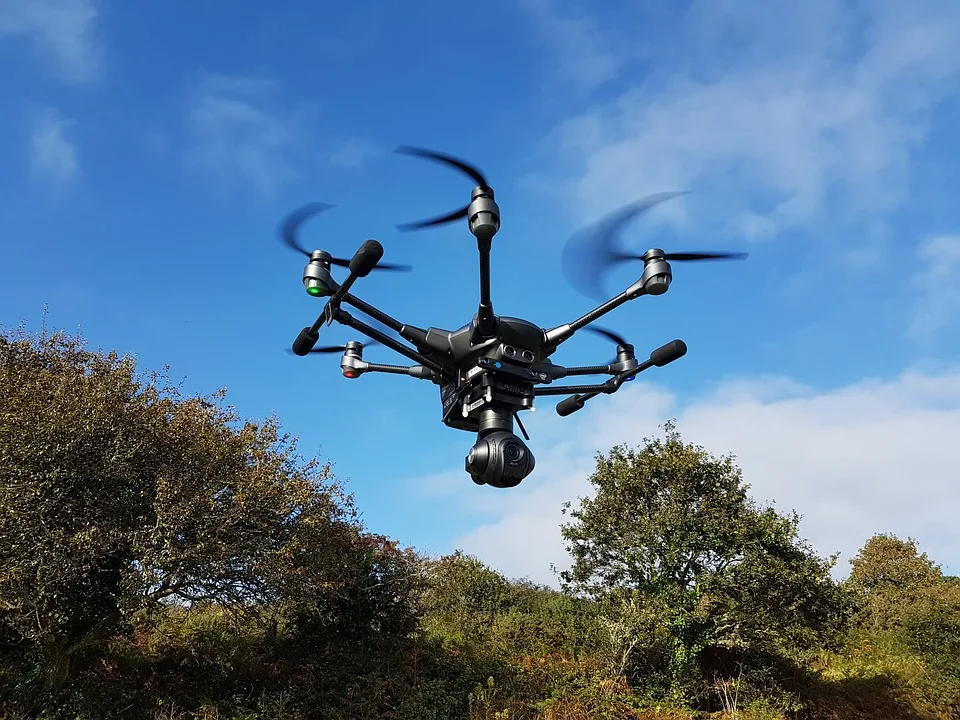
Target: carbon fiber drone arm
562 333
655 280
610 386
663 355
357 367
556 372
408 332
345 318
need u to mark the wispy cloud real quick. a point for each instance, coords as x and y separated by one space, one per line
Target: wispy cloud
776 115
54 157
354 153
577 46
240 132
869 457
62 33
937 284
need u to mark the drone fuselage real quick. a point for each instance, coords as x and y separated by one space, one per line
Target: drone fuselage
515 340
497 373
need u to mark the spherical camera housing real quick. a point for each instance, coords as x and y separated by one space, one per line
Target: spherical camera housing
499 459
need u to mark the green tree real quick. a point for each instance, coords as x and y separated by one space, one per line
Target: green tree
117 493
905 599
673 545
887 563
888 576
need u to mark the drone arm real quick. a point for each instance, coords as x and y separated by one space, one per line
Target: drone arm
408 332
610 386
555 372
418 371
392 369
561 333
486 320
345 318
663 355
363 261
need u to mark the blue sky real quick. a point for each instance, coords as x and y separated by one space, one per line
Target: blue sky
148 153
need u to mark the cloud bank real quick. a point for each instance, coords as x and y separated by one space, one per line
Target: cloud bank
778 115
784 119
876 456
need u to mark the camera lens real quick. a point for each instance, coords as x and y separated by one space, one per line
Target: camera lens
509 350
527 356
512 451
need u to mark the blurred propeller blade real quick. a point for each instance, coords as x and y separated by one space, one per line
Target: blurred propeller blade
290 227
690 256
450 161
609 334
326 349
443 219
460 165
592 252
344 262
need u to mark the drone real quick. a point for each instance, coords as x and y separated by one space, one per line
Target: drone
495 366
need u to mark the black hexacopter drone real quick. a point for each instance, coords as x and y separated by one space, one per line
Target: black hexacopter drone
493 367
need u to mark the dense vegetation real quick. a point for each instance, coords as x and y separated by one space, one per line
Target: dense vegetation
161 558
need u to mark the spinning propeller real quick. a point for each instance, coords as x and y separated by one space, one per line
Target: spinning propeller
465 168
340 348
290 229
624 349
610 335
590 255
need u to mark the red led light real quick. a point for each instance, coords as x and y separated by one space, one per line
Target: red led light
349 374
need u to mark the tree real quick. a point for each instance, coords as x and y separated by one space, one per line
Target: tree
117 493
887 563
672 538
904 595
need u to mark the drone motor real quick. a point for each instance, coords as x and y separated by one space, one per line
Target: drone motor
657 274
351 364
316 275
484 214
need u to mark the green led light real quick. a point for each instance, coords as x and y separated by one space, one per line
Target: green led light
315 290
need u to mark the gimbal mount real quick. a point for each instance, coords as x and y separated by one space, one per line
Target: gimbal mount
495 366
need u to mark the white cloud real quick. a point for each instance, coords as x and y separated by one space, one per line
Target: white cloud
777 115
238 132
54 158
876 456
938 286
62 32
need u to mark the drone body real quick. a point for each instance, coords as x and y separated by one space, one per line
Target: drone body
493 367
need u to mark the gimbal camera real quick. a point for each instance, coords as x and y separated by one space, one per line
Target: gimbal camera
492 368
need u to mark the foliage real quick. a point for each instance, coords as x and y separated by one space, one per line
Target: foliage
162 559
887 563
908 625
693 576
117 494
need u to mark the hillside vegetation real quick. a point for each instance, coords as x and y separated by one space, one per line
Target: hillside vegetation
162 558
